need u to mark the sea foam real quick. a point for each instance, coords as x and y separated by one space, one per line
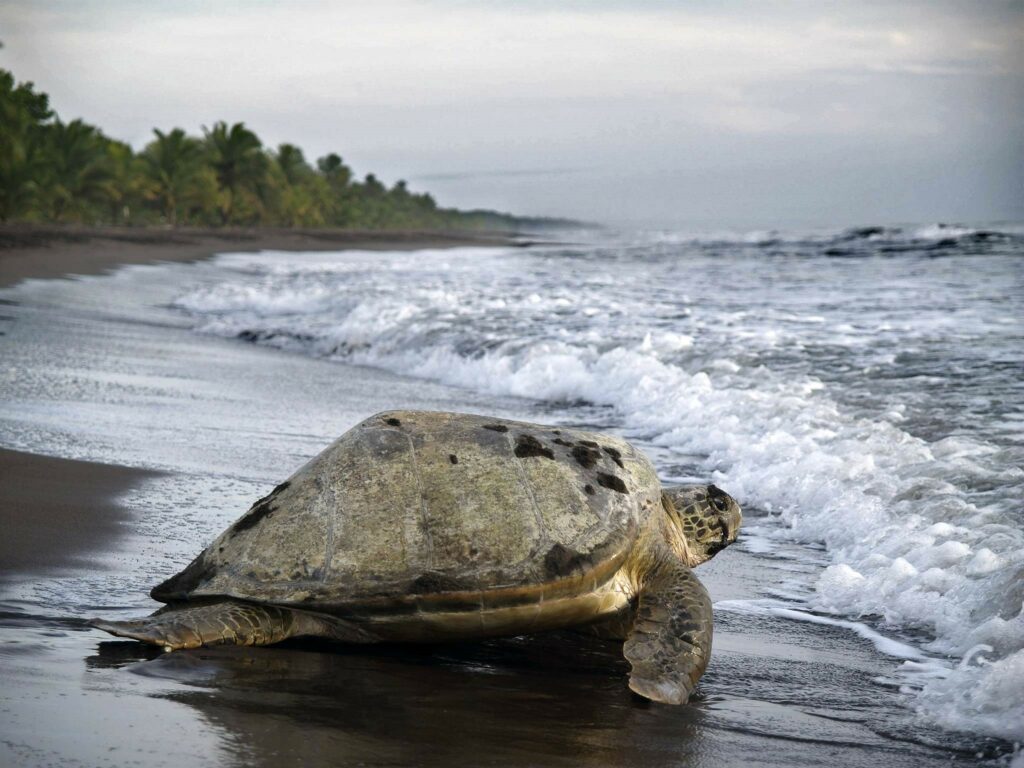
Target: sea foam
763 392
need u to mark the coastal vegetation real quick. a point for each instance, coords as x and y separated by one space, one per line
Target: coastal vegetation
54 171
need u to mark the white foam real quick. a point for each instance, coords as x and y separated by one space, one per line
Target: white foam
941 232
825 237
908 545
883 644
981 694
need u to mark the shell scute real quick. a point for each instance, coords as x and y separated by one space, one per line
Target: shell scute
385 513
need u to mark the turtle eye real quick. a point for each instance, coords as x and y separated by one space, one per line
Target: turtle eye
720 503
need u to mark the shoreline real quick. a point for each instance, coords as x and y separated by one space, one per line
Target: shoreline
228 420
39 251
56 512
59 511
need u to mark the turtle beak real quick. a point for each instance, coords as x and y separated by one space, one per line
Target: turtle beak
729 524
717 546
714 548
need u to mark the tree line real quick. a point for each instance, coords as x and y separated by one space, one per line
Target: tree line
56 171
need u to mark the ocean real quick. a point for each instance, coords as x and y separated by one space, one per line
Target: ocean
859 391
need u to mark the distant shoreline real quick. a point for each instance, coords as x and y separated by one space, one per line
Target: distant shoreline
49 251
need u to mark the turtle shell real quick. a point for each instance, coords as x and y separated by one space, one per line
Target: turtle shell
413 506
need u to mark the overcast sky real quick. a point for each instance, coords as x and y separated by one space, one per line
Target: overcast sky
695 114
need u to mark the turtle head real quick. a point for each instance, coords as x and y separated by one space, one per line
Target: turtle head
708 518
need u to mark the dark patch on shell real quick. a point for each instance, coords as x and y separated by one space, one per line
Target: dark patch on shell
528 445
560 441
561 561
260 510
433 582
586 456
393 422
615 454
496 427
612 482
453 458
589 489
181 584
590 443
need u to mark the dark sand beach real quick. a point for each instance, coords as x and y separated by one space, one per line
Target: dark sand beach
55 512
776 249
28 251
100 368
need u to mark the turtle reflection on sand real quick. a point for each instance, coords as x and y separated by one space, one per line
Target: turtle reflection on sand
419 526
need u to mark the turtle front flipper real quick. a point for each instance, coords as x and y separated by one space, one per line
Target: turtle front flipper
670 643
230 622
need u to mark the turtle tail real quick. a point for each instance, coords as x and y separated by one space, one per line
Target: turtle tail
229 622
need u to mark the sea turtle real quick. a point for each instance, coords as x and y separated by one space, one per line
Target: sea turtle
419 526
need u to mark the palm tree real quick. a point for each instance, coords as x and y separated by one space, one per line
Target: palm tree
373 187
303 197
172 164
78 169
292 163
333 168
337 198
22 115
236 155
127 180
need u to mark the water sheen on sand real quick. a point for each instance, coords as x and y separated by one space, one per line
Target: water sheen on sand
860 397
864 387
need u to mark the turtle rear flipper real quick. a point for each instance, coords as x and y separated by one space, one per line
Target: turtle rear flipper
670 643
232 623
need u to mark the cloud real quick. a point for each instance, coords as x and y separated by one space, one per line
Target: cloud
423 88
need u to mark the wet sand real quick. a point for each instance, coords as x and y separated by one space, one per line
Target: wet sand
54 512
100 368
52 251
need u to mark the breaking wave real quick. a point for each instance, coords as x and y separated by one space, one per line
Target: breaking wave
874 407
869 240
